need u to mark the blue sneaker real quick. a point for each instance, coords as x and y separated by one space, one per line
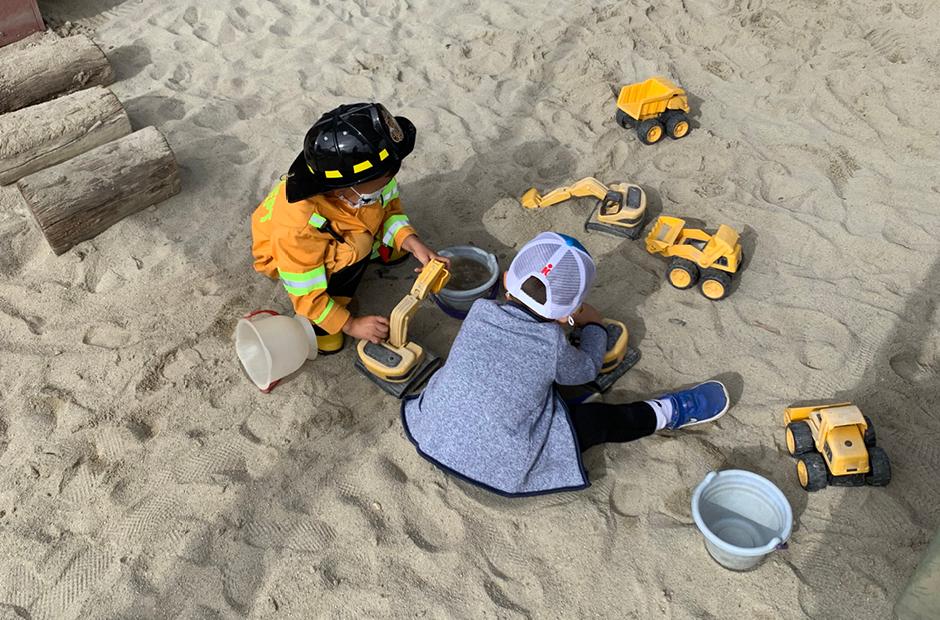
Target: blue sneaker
706 402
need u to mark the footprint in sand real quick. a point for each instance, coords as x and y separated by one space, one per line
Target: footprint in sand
106 336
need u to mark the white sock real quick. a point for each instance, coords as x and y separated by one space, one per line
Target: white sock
662 407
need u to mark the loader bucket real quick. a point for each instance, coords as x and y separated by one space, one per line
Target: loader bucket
664 233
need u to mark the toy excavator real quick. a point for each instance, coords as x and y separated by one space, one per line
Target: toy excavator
696 254
835 445
618 359
619 211
398 365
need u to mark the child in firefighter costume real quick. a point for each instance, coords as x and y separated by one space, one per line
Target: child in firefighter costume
335 211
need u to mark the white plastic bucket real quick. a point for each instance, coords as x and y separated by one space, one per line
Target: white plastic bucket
271 346
456 303
742 516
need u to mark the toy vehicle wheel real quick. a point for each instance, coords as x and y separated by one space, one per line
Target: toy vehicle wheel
811 469
870 439
879 468
715 284
799 438
682 273
677 125
650 131
624 119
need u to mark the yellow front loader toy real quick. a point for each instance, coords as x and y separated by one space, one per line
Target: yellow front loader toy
399 365
835 444
620 208
655 107
697 256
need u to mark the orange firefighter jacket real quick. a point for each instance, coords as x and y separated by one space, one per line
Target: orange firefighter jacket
299 244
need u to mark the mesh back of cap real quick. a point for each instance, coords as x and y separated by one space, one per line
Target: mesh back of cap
567 281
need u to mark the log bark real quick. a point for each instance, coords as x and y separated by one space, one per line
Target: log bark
46 134
49 67
84 196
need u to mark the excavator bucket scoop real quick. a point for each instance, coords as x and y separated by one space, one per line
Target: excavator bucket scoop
531 199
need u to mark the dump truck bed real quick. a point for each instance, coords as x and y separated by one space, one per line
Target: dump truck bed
649 98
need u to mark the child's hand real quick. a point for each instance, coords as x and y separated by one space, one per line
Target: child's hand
587 314
371 328
423 253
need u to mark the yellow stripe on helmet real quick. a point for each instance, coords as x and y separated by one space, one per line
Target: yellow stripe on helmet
365 165
333 174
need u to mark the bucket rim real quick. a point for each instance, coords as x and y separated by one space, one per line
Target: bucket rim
727 547
491 262
248 320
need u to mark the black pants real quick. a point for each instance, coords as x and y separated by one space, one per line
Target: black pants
344 283
597 423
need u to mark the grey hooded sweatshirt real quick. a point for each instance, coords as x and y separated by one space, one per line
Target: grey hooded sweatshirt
492 415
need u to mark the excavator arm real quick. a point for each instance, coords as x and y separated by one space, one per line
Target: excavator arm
432 279
588 186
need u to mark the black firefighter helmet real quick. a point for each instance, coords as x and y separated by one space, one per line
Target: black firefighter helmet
352 144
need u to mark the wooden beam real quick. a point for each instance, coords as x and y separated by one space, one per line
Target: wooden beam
49 133
84 196
49 67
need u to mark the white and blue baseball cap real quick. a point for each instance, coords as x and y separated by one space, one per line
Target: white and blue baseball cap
563 266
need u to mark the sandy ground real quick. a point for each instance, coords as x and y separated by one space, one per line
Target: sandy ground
142 475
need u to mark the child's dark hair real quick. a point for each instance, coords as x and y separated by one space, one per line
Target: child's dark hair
535 288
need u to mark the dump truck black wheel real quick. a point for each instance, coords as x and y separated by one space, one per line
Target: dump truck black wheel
650 131
682 273
799 438
716 284
624 119
811 469
879 468
677 125
870 439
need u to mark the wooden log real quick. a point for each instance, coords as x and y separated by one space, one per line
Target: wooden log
50 67
84 196
46 134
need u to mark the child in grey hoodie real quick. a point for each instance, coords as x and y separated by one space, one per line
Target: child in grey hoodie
492 414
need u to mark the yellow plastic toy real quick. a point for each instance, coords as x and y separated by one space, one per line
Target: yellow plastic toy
835 444
696 255
397 365
620 209
655 106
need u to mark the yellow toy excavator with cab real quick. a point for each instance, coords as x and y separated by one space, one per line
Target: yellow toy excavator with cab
620 208
618 359
399 365
655 107
836 445
696 256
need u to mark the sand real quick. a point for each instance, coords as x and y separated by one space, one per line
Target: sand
142 475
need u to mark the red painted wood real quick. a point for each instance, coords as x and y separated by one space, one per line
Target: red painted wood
18 18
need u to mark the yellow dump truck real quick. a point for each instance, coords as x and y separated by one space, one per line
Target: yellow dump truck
836 445
696 255
655 107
